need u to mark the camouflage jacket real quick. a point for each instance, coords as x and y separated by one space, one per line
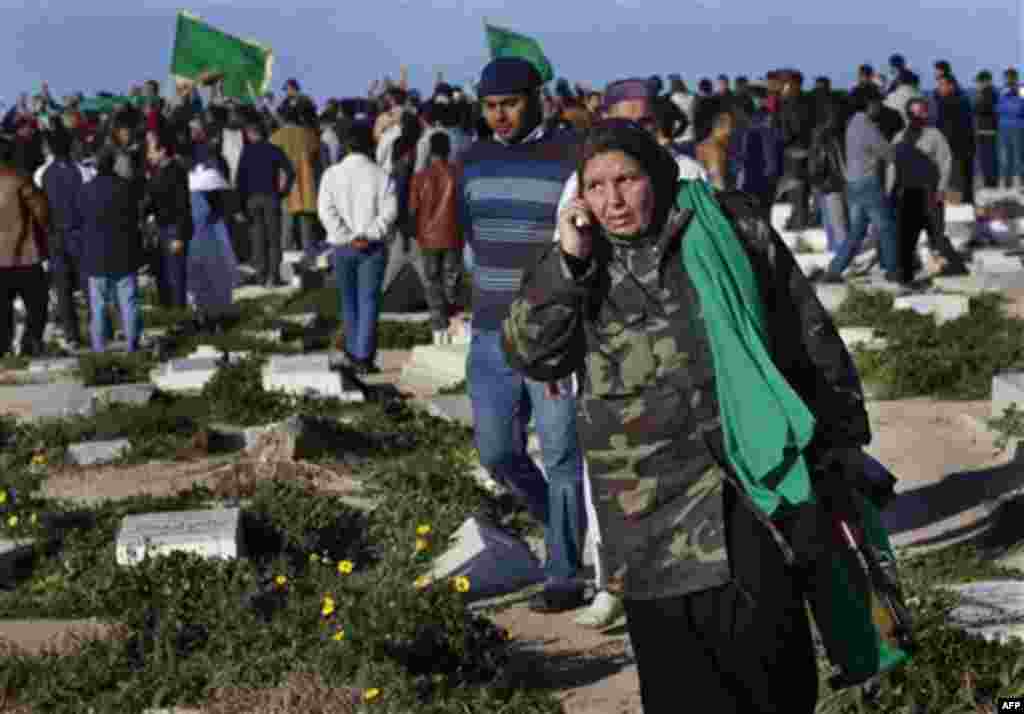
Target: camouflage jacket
628 321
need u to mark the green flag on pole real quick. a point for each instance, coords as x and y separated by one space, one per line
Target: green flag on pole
199 48
505 43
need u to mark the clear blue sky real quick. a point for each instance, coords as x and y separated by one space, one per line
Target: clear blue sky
336 47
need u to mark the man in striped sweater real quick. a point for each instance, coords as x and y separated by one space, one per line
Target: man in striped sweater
509 188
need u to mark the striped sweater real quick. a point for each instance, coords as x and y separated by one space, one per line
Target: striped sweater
508 197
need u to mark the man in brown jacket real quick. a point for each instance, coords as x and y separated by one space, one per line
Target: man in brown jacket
301 144
24 222
434 208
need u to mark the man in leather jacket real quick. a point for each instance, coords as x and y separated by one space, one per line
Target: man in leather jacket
24 221
796 122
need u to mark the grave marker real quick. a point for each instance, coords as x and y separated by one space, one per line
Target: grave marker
495 562
942 307
1007 389
214 533
993 609
91 453
301 374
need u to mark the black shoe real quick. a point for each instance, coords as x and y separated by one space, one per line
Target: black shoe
552 601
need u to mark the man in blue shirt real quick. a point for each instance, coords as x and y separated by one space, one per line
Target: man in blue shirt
508 192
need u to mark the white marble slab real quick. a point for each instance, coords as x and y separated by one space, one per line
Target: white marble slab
212 533
942 307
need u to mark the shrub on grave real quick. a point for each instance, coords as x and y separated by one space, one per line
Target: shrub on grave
108 368
955 359
235 395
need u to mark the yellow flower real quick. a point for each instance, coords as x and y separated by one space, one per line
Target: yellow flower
39 460
370 694
423 530
461 584
421 582
12 521
281 580
3 497
421 545
314 558
345 567
328 606
339 635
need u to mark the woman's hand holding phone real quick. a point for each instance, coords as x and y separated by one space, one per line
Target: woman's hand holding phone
575 228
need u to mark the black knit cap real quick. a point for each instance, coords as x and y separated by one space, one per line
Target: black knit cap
508 75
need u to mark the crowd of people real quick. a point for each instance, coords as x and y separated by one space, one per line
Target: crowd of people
566 211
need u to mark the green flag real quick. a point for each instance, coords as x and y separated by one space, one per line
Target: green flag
200 48
505 43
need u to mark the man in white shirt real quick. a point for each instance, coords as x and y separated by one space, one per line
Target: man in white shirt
358 207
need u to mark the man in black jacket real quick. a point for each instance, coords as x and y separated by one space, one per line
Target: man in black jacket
169 208
796 121
986 121
265 176
954 121
108 207
62 180
865 90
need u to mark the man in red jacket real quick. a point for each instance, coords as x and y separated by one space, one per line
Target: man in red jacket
433 207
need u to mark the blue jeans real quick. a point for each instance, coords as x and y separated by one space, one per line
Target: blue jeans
868 205
503 402
360 275
1011 152
104 290
171 281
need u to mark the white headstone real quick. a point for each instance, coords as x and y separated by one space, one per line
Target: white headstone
831 297
943 307
960 213
188 374
966 284
997 261
993 609
1007 389
812 240
416 318
494 561
48 366
215 533
436 366
861 337
215 353
304 319
452 407
304 374
780 214
90 453
811 262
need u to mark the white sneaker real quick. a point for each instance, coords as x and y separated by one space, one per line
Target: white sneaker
603 611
